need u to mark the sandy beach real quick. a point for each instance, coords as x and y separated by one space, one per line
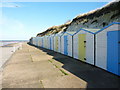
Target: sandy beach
6 52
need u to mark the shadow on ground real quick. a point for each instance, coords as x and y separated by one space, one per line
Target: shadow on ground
95 77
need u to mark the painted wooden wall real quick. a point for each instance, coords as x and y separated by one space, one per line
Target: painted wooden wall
101 46
98 48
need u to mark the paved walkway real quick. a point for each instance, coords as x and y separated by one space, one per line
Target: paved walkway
33 67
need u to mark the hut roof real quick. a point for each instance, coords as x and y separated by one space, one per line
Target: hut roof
91 29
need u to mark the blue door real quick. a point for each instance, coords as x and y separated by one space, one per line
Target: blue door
50 44
113 52
65 45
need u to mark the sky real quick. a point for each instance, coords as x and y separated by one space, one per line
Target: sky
22 20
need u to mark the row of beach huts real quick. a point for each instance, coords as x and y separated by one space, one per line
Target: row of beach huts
99 47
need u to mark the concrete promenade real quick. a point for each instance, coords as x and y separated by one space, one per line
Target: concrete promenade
32 67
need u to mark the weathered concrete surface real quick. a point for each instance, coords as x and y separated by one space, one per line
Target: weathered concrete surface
6 52
40 68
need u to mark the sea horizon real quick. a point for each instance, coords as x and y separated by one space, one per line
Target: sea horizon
6 42
12 40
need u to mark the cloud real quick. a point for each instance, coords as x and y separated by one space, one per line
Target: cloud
9 4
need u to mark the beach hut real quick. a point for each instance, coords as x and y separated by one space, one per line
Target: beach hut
39 42
42 44
45 42
31 40
83 45
51 41
57 41
108 48
66 43
34 41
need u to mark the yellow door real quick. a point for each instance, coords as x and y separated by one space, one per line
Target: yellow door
82 47
46 42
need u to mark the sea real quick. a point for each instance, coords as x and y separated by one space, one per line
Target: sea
6 42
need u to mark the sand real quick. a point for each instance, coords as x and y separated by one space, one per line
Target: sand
6 52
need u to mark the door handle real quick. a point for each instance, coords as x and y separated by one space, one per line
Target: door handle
84 41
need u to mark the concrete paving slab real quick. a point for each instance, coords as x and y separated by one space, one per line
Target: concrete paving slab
32 67
21 70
